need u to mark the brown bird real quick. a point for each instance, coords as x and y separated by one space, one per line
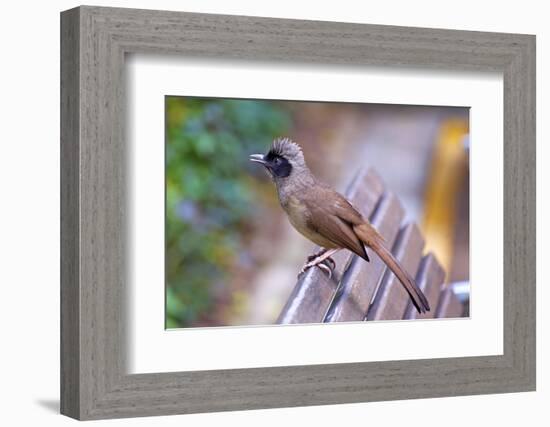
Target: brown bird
326 217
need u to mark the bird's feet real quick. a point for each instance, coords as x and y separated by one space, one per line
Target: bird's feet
322 260
323 265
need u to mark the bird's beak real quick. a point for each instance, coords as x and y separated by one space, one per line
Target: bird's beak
258 158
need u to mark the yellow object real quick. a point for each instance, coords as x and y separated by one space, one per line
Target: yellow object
448 168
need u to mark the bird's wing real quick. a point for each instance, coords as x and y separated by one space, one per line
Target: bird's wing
333 217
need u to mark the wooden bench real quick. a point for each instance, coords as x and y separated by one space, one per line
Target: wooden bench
360 290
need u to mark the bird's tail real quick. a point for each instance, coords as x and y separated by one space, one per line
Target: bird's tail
373 240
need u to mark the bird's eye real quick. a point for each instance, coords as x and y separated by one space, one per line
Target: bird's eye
277 160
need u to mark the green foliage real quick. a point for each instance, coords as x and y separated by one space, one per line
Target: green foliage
208 194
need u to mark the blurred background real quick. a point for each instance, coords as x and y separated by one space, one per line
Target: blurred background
231 255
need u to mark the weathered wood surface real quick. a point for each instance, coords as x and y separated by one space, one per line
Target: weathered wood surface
360 290
310 298
449 305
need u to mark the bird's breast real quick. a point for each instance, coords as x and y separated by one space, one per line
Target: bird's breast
298 215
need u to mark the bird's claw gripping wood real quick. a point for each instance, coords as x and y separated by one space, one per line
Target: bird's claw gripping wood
332 265
322 259
326 268
323 265
330 261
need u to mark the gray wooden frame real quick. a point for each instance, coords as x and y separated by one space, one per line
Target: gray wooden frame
94 41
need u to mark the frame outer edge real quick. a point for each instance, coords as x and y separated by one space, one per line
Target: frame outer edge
520 216
527 169
532 188
89 391
70 396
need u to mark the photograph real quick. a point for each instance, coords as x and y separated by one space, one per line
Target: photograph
282 211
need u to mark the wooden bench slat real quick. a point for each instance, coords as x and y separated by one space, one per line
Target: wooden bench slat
391 299
429 278
449 305
312 294
360 281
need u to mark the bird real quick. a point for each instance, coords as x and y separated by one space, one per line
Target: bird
326 217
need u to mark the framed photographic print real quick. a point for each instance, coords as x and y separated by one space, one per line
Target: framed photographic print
261 213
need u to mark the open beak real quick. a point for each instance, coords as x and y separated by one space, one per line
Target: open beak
258 158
